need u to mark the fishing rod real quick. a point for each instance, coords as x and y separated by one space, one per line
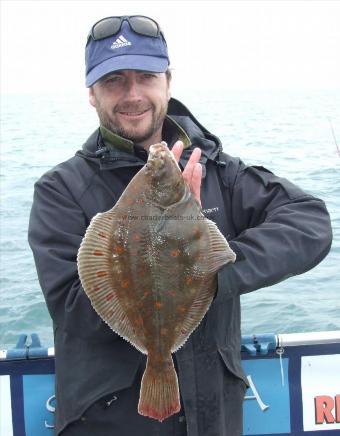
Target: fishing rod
333 133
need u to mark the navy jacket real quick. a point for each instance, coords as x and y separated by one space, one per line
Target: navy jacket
275 228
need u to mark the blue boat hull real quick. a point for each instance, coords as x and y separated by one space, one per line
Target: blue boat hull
294 390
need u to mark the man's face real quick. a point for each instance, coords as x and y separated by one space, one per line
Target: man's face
132 104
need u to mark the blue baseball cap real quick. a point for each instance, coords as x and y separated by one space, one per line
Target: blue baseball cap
126 50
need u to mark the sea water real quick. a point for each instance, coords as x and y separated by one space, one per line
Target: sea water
290 133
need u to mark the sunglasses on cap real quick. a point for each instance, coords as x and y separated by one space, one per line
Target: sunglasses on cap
111 25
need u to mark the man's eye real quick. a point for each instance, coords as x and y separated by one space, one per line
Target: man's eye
149 75
113 79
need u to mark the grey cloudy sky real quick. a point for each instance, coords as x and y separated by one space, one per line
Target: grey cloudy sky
213 44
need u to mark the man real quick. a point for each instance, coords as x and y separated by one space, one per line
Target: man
275 229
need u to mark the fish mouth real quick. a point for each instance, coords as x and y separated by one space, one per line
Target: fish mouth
157 149
158 154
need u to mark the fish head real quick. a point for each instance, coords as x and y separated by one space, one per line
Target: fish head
164 176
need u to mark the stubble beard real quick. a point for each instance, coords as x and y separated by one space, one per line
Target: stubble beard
110 122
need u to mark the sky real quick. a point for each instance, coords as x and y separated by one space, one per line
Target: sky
229 45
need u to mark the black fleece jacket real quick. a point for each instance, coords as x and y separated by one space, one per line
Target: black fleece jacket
275 228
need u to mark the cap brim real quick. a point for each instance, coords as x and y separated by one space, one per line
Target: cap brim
126 62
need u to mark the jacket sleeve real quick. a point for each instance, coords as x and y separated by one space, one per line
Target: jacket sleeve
56 228
281 232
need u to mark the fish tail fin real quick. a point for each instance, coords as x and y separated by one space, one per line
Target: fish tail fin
159 393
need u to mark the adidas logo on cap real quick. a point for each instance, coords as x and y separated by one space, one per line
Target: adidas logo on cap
120 42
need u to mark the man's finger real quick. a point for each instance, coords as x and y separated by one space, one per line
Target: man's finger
196 179
193 160
192 173
177 150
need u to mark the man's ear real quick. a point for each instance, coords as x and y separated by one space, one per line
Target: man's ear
169 91
92 98
168 76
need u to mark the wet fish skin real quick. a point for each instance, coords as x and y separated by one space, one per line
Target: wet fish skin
149 268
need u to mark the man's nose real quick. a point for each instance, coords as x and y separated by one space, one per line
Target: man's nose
133 88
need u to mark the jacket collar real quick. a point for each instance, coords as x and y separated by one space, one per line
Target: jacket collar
172 132
179 124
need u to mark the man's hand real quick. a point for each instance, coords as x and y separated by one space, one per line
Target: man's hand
192 172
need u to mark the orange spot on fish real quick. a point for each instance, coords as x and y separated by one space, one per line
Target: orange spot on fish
197 233
102 234
181 309
119 249
125 284
109 296
130 200
164 331
136 237
188 280
98 253
101 274
175 253
96 288
158 305
138 321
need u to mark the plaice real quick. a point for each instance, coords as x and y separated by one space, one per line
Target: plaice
149 267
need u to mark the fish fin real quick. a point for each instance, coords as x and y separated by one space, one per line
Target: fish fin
218 252
196 313
95 265
159 393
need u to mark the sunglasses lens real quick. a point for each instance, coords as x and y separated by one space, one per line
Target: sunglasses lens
111 25
106 27
144 26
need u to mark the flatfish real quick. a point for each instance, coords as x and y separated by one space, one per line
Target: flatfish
149 267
